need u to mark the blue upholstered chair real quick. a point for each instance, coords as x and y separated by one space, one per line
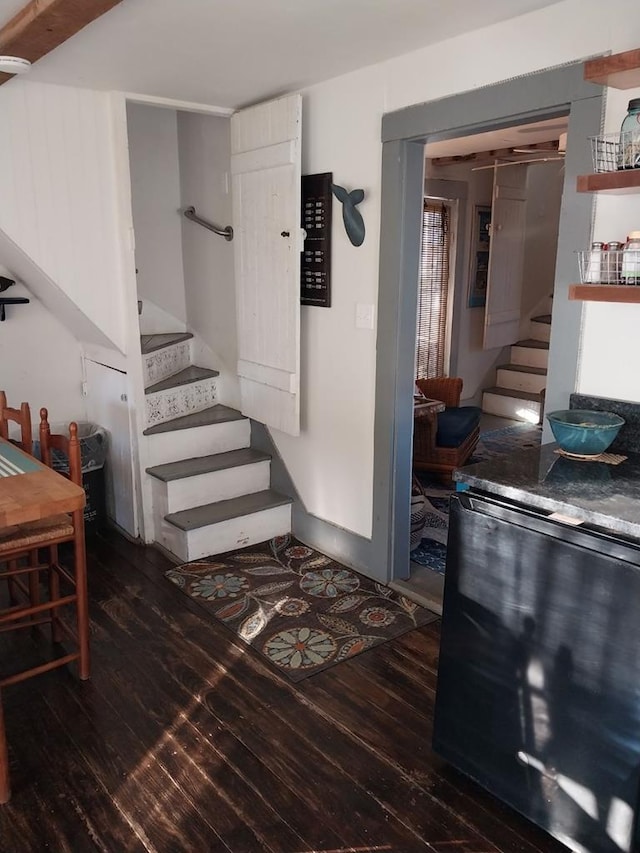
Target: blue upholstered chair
445 441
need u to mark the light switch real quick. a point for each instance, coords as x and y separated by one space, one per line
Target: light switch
365 316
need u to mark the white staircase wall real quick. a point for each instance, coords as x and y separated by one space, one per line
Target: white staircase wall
60 201
155 199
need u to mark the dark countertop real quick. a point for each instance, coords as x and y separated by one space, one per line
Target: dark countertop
595 493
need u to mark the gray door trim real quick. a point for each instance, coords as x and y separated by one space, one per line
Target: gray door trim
544 95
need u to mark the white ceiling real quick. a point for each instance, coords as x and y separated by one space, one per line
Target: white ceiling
510 137
237 52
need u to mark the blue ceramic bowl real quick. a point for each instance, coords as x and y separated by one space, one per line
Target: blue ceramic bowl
584 432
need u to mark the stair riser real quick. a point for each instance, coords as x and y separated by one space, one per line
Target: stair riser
511 407
540 331
520 381
165 362
226 535
166 405
199 441
529 356
208 488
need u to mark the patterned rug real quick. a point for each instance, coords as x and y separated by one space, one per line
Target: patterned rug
300 610
432 550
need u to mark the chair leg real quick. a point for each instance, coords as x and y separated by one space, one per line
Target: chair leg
54 594
82 603
34 580
11 583
5 788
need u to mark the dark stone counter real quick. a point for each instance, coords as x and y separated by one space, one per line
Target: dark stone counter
597 494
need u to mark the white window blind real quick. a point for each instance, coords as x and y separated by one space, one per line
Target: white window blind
433 291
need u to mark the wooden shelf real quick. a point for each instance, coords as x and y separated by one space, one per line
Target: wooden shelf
620 71
627 293
616 183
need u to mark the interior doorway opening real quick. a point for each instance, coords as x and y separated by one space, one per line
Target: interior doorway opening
505 188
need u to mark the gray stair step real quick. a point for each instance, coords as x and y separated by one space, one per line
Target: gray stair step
151 343
202 516
523 368
542 318
183 377
214 415
510 392
207 464
532 344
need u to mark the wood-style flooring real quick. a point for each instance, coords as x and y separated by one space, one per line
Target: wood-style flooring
185 740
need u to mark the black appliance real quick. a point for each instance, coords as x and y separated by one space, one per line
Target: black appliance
538 694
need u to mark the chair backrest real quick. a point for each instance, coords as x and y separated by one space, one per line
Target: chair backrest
22 417
68 447
445 388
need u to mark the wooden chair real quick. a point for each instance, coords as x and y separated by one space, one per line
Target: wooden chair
443 442
22 417
48 533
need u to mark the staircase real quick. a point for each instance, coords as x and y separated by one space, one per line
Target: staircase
210 490
520 385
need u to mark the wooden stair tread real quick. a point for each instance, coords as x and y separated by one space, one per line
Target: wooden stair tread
523 368
542 318
532 344
207 464
183 377
213 513
213 415
151 343
511 392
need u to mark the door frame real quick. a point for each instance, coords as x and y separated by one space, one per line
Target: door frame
544 95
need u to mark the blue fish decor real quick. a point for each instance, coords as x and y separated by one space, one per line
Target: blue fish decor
353 221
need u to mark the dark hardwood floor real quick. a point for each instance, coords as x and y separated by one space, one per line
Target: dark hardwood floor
185 740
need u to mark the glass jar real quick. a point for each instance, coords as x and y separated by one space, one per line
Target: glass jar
593 267
629 152
630 272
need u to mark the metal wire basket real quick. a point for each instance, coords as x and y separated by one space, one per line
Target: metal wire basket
614 151
603 266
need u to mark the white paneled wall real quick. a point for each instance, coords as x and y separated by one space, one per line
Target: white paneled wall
58 191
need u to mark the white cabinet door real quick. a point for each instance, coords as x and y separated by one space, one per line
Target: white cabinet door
108 407
265 164
504 280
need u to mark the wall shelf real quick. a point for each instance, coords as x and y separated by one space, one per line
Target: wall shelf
615 183
620 71
629 294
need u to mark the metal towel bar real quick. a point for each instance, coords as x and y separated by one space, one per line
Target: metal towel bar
227 233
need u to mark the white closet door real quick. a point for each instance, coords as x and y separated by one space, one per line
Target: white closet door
504 280
265 164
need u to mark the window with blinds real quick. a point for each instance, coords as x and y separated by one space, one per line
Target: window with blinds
433 290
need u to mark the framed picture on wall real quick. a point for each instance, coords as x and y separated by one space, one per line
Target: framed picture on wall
480 236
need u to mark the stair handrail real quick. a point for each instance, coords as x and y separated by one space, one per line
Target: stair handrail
190 213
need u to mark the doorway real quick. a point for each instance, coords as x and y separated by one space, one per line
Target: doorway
544 96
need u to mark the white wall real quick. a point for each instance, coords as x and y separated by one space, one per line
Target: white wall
332 461
59 196
155 197
205 162
40 361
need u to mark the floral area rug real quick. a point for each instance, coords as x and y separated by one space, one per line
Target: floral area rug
302 611
432 550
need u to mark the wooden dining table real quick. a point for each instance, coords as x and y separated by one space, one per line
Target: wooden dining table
29 491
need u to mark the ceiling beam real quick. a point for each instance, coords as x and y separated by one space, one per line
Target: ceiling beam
42 25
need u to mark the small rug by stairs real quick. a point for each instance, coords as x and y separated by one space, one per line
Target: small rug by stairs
302 611
432 550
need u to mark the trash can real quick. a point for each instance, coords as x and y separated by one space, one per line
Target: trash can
93 453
